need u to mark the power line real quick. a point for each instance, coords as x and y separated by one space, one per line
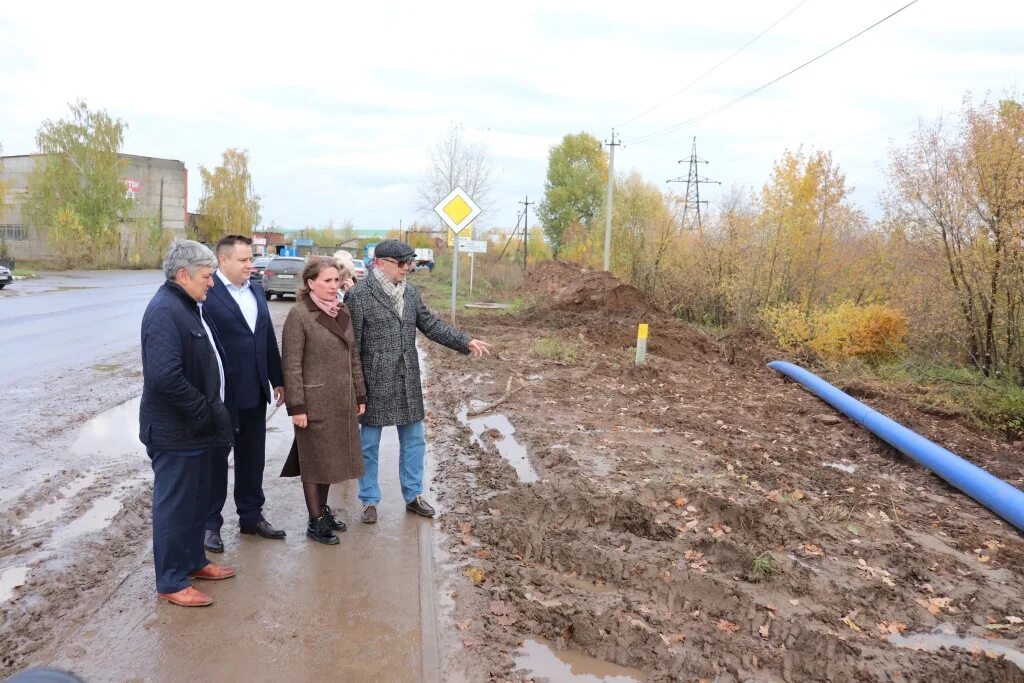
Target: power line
721 107
715 67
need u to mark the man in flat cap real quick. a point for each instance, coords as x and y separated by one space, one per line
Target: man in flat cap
386 312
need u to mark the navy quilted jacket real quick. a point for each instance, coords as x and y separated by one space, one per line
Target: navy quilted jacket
181 407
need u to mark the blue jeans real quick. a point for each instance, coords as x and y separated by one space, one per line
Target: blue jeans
410 461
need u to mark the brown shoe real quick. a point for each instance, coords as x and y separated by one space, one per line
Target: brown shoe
187 597
213 572
369 515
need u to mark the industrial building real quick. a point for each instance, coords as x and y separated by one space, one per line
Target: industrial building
158 186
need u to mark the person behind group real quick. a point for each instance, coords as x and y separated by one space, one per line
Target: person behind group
238 309
324 394
346 272
182 420
386 312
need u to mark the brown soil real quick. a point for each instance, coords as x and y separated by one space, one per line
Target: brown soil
659 486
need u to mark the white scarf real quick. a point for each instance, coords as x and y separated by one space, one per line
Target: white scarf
395 292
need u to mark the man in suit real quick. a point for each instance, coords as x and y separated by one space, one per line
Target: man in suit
252 363
182 420
386 312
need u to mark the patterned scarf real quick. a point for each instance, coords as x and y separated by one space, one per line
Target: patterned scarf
395 292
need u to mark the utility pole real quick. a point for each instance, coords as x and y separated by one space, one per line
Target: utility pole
526 226
608 202
693 183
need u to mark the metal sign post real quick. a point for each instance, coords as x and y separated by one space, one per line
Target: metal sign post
457 210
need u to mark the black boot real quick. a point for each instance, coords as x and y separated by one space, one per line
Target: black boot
328 514
319 529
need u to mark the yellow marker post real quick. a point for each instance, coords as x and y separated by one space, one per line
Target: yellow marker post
641 344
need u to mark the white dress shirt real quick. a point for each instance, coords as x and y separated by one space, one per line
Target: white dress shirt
245 299
213 345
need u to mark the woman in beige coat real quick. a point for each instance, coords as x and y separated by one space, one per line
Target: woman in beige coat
325 394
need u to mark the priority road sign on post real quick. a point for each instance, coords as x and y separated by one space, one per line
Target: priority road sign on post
457 210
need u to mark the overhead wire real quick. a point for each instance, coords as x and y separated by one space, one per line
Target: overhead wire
715 67
700 117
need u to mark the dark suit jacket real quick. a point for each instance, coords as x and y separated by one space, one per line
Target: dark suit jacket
253 361
181 407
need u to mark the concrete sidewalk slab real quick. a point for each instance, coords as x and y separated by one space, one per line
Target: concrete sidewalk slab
296 611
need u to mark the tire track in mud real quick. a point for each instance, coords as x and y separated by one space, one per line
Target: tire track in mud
659 488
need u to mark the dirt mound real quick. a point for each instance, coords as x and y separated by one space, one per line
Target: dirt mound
549 277
600 290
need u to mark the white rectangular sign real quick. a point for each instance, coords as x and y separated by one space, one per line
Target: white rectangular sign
472 246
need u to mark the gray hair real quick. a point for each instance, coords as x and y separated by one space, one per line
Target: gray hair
189 255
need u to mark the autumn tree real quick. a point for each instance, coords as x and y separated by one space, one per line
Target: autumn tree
958 196
574 190
76 193
228 206
456 162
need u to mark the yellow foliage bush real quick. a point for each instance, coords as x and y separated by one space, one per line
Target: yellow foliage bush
844 331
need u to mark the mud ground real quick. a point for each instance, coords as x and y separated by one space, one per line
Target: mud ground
700 518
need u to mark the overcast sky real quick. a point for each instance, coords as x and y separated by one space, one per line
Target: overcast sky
339 103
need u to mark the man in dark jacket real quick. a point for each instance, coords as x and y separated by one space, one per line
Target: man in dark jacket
182 419
386 312
252 363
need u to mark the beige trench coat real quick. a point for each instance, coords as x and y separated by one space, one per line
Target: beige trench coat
323 379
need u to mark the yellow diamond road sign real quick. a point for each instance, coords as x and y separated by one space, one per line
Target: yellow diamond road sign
457 210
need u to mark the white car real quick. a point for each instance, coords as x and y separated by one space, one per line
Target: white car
5 277
360 269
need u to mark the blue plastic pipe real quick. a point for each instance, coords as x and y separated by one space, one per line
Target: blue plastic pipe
992 492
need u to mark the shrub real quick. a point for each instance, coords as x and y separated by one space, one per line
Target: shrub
846 331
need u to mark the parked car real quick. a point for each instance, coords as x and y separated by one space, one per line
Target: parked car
6 278
425 259
281 276
259 264
360 268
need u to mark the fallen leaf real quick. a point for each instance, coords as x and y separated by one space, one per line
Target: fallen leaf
679 502
464 624
693 554
852 625
764 630
810 550
887 627
727 626
465 527
984 559
475 574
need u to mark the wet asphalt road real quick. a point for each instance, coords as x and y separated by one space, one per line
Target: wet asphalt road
64 320
363 610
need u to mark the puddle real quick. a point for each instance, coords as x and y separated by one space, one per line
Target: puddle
571 666
945 637
95 519
849 469
507 446
115 432
11 579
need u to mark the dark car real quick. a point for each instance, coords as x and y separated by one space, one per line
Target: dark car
5 277
259 264
281 276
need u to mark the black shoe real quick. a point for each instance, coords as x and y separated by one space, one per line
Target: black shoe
212 541
263 529
320 530
420 507
335 524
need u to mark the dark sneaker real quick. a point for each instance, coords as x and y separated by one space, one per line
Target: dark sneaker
212 541
320 531
369 515
335 524
420 507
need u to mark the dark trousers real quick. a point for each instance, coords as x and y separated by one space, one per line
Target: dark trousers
181 486
250 454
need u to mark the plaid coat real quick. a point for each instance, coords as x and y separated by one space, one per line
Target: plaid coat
387 349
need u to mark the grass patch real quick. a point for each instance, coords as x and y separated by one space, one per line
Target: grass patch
557 349
993 403
764 567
